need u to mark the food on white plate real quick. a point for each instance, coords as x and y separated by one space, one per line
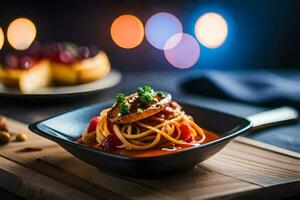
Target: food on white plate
53 64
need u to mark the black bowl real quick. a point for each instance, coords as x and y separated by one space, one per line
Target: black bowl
65 128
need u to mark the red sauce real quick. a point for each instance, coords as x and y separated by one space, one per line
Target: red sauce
210 136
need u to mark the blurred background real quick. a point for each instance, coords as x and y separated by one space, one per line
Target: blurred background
228 55
254 34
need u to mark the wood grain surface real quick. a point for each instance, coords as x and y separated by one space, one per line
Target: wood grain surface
49 172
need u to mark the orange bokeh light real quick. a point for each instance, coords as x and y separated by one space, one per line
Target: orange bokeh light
21 33
1 38
127 31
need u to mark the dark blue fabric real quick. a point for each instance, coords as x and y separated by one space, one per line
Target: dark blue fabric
255 87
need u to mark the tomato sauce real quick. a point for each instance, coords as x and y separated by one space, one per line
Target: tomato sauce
210 136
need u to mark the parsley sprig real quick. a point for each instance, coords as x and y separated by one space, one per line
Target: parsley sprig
145 90
123 106
120 97
146 94
146 99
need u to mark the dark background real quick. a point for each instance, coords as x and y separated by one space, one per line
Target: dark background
262 33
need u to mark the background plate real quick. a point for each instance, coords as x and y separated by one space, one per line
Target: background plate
110 80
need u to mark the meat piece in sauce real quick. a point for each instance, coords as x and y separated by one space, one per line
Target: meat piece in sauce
134 102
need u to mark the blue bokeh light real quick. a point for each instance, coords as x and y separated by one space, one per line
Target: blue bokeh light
160 27
215 58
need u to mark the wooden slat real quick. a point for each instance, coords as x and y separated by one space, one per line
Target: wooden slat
31 185
255 165
201 184
237 171
268 147
38 164
149 188
58 164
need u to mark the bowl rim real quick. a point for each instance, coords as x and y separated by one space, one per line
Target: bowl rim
41 129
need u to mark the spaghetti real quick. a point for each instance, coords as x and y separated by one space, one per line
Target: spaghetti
160 124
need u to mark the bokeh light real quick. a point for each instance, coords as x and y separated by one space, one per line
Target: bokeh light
185 54
1 38
127 31
211 30
160 27
21 33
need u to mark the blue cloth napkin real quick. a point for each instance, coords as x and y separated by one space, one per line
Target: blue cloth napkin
255 87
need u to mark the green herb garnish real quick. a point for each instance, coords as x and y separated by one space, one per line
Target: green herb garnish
146 99
123 108
120 97
148 89
145 90
146 94
140 91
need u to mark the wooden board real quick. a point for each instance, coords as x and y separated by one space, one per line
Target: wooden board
237 171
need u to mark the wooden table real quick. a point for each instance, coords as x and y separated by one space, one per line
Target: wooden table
237 171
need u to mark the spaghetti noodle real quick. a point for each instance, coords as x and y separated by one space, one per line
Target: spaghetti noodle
147 129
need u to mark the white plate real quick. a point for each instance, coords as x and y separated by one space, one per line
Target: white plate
110 80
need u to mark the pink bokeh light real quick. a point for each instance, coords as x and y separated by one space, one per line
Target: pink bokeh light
185 53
